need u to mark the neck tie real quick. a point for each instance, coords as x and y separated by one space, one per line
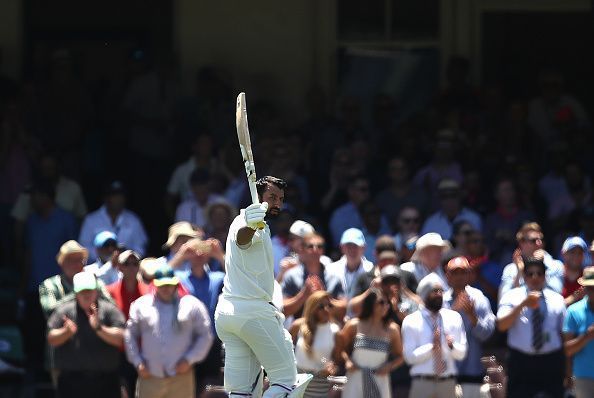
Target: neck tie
537 337
439 365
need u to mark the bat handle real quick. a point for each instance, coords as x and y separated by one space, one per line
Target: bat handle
255 200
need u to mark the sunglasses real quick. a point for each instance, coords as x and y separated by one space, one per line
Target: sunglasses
312 246
533 240
131 263
534 274
411 220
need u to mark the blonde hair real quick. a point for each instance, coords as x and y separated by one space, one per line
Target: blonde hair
528 227
308 328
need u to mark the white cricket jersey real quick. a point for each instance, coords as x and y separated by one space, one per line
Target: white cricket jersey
249 269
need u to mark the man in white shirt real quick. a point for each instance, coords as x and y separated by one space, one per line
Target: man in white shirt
427 258
530 241
106 243
113 216
533 317
249 325
353 263
433 339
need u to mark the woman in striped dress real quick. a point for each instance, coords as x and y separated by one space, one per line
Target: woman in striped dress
368 343
316 349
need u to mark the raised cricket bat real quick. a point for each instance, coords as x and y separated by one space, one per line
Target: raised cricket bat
243 134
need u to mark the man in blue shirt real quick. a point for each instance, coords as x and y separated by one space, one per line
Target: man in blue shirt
578 332
205 285
46 229
479 323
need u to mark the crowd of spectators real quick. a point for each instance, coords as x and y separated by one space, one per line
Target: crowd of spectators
93 175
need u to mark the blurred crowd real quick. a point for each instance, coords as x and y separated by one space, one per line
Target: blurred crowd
132 182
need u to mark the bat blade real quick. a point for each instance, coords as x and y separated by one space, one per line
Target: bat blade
243 132
245 144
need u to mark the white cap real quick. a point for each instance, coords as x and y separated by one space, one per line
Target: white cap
301 228
428 240
84 281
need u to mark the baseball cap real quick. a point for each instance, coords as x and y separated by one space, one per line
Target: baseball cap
458 263
301 228
84 281
353 235
164 275
390 272
104 237
573 242
181 228
71 247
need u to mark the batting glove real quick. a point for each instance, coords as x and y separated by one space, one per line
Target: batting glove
254 215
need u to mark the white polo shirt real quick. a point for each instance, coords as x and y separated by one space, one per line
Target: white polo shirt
249 269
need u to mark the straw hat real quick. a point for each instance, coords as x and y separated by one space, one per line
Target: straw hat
71 247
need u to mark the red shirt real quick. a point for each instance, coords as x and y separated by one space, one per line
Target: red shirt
569 287
123 298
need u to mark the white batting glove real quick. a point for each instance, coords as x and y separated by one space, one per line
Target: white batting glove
254 215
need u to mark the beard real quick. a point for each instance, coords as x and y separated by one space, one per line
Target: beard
434 304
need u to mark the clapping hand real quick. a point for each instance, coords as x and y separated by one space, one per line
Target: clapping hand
93 316
450 341
532 300
143 372
70 325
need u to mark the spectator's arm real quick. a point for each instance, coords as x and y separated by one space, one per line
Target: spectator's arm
132 338
555 278
291 305
485 325
507 315
356 302
198 350
396 346
57 337
339 307
460 345
58 331
294 329
111 335
414 354
574 344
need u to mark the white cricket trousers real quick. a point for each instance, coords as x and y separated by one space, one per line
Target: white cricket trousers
254 337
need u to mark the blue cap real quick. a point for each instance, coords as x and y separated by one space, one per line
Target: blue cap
103 237
572 242
353 235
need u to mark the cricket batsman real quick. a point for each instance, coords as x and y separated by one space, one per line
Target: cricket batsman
247 322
